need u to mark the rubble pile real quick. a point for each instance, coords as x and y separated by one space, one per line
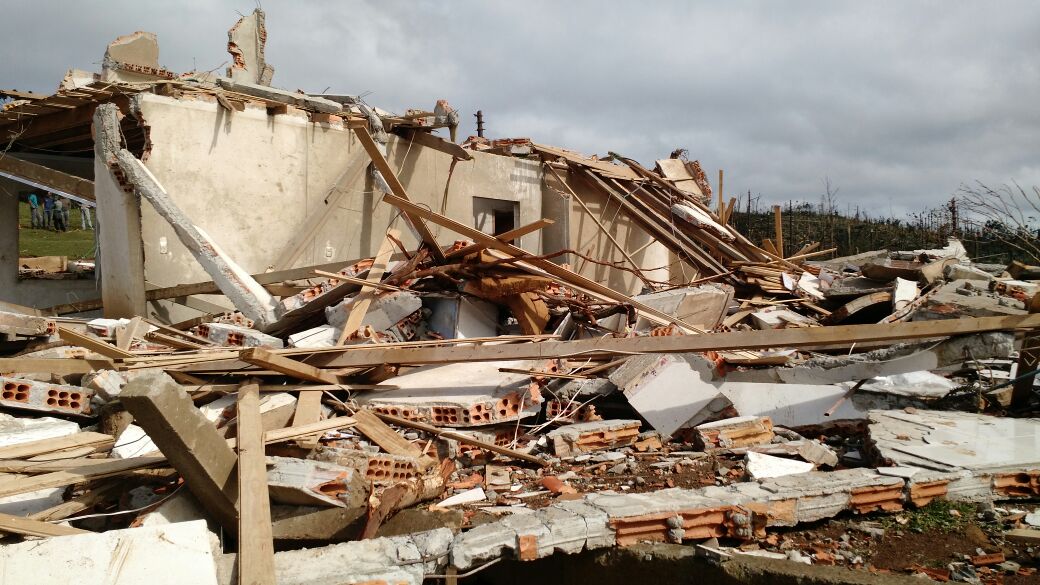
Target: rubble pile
432 409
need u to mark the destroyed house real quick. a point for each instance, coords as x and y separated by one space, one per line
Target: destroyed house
320 343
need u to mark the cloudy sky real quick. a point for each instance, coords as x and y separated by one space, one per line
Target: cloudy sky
897 103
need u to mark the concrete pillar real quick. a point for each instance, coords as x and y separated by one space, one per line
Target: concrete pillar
121 256
188 440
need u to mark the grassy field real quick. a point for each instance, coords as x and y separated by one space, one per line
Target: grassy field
75 243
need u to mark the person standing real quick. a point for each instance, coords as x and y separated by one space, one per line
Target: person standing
66 210
35 213
84 217
59 215
48 211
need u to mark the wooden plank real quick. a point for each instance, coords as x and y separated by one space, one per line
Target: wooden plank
28 527
599 224
502 237
359 281
22 485
359 308
33 448
60 366
380 434
845 335
255 537
1028 361
92 343
264 358
46 178
424 138
542 266
778 227
125 335
398 190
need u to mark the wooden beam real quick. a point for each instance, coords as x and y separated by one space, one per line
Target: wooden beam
398 190
33 448
540 266
46 177
59 366
28 527
92 343
778 227
375 429
599 224
359 308
259 356
774 338
424 138
23 485
255 537
504 237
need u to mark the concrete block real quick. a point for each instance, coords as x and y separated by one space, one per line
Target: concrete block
743 431
235 336
760 466
320 336
377 468
171 554
188 440
701 306
26 325
106 327
385 311
461 394
665 390
134 442
586 437
106 384
304 482
24 394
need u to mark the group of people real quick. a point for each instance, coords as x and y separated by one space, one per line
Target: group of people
53 213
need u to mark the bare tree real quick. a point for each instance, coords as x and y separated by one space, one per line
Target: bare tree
1008 214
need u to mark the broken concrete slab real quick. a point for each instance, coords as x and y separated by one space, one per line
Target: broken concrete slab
663 390
26 325
744 431
133 58
385 311
161 555
188 440
303 482
761 466
234 335
460 394
702 306
571 440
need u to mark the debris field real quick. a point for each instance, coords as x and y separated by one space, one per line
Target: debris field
451 398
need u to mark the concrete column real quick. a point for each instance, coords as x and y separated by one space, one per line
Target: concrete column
121 257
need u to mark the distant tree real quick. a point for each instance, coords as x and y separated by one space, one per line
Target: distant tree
1009 214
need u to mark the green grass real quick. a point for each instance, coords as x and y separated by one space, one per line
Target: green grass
75 243
935 516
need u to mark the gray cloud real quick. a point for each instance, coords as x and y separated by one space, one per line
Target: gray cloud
898 103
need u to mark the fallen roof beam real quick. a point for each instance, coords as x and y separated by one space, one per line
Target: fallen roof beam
379 161
424 138
774 338
41 177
